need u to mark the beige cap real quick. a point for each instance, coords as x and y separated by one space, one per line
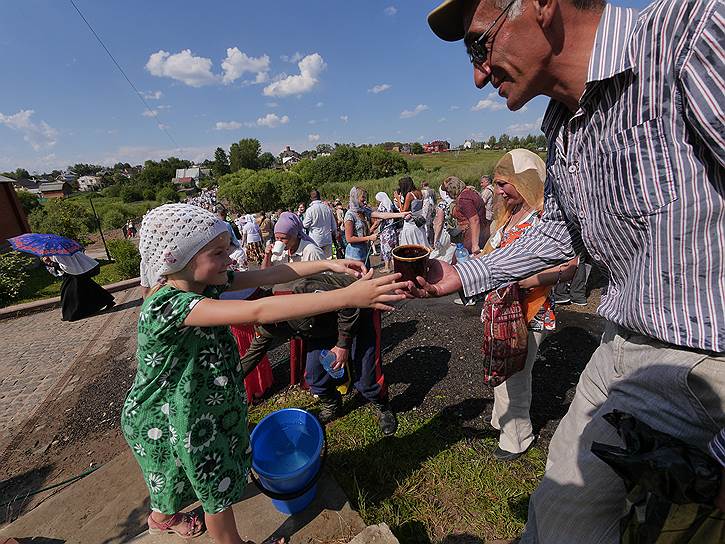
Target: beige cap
446 21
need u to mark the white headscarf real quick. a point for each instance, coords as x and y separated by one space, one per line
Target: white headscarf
172 234
386 205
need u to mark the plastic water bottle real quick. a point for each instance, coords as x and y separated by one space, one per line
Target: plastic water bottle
461 253
327 359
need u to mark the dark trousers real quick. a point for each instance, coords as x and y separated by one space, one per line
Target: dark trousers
365 362
577 288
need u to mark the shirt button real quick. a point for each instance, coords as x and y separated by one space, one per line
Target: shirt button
581 215
572 169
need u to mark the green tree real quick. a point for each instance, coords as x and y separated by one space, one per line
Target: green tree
113 219
416 148
131 193
28 201
21 173
504 141
13 276
515 142
245 154
82 169
221 163
324 148
167 194
266 160
161 172
63 217
492 142
250 192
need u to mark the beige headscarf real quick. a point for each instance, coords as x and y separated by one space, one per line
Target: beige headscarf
454 186
526 171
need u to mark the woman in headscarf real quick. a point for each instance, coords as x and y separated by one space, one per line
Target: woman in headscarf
358 225
518 204
411 200
252 239
298 246
469 211
80 296
388 232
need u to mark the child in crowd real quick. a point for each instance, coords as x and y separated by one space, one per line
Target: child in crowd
185 417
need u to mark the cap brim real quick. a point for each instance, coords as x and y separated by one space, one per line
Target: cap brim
446 21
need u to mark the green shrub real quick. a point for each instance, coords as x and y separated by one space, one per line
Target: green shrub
63 217
167 194
28 201
113 219
149 193
127 257
113 190
13 275
132 193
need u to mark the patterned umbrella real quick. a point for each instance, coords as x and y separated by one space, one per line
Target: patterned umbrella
45 245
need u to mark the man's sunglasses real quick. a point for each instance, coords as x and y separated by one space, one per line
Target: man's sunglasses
477 50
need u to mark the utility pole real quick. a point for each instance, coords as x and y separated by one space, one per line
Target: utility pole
100 230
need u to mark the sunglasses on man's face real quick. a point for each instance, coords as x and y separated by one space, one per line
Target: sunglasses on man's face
477 49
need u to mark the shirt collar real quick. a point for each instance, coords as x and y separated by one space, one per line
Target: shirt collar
610 55
301 247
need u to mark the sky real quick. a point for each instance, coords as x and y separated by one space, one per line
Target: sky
213 72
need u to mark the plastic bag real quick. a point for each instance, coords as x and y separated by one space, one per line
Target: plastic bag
671 486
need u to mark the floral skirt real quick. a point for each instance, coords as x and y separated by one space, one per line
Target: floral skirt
388 242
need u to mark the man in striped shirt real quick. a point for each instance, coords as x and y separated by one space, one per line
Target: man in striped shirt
636 177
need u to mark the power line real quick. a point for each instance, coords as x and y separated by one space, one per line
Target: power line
153 113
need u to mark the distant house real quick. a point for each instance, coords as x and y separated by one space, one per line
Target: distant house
436 146
468 144
30 185
289 156
405 148
486 146
196 173
56 189
12 217
89 183
67 177
185 184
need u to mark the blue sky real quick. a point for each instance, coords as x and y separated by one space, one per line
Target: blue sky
287 73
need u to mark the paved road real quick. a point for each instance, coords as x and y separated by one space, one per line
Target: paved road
38 350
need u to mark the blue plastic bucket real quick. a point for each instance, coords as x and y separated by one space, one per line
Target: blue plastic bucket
286 455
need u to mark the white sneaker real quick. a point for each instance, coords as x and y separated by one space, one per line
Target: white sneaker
470 302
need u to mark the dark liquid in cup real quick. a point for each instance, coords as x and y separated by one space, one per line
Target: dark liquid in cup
411 261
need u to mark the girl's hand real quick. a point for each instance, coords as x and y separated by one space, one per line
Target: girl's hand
374 293
373 237
350 267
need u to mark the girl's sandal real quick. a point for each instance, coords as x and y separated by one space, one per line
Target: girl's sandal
176 525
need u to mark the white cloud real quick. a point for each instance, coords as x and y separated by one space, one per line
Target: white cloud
271 120
453 108
238 63
379 88
442 120
296 57
390 10
489 103
319 104
518 129
182 66
344 118
38 135
150 113
227 125
310 68
152 95
407 114
313 138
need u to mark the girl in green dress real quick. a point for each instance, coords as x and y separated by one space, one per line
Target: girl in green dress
185 417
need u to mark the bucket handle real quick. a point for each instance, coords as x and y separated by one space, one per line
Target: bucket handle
293 494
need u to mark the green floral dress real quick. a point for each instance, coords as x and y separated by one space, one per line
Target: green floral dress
185 416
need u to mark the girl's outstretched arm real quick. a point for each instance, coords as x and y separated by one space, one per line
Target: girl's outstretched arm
364 293
283 273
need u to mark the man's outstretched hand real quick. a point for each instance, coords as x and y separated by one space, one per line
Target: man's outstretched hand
442 280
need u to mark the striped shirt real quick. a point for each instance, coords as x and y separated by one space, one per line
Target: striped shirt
717 447
635 176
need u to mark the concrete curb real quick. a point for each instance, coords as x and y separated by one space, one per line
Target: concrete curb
51 303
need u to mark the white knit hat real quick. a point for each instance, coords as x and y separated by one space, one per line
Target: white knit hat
172 234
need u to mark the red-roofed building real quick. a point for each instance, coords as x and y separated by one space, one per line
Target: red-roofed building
436 146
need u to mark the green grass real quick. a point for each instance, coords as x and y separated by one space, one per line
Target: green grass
42 284
434 478
105 203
